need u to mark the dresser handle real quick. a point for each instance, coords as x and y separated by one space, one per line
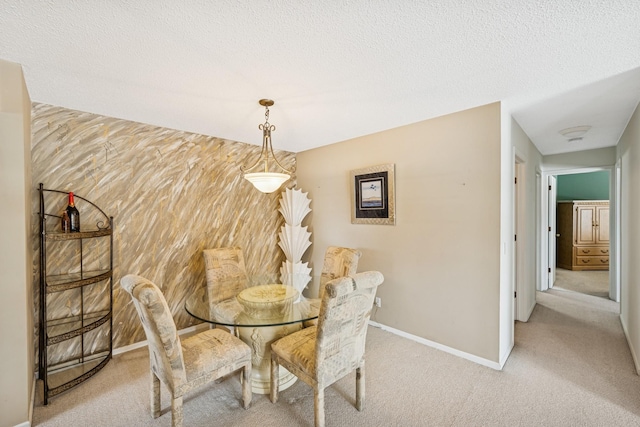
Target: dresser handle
604 261
604 251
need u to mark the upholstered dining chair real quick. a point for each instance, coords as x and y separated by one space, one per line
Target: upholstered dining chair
321 355
338 262
184 365
226 276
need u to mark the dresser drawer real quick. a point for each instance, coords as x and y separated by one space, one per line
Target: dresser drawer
591 251
592 261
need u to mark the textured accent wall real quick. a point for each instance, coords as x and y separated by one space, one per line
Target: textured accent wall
172 194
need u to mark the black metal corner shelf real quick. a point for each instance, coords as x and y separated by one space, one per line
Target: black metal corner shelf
75 339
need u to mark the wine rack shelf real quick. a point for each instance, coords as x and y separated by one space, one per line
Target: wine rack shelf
76 294
79 235
65 282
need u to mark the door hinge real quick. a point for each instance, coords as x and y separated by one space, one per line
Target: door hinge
549 228
515 294
549 188
549 270
515 237
515 180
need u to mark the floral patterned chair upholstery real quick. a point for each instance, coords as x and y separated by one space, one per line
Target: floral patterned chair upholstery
226 276
321 355
184 365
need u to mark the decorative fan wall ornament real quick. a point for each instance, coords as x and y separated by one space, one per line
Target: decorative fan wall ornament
294 239
294 206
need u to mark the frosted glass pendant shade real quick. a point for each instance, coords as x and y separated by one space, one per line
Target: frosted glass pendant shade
266 182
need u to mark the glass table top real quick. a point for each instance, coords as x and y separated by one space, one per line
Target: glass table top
258 303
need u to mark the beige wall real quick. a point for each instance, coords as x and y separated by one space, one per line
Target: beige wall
16 299
628 151
441 260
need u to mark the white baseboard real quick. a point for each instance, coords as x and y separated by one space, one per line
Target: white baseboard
462 354
140 344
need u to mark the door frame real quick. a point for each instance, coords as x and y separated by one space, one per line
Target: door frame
552 229
519 225
614 232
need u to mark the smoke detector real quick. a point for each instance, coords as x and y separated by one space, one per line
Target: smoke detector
575 133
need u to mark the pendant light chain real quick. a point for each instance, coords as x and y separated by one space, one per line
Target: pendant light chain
266 125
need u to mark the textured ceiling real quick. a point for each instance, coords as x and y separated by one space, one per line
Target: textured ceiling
336 70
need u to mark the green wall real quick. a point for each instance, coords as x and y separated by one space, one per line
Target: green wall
584 186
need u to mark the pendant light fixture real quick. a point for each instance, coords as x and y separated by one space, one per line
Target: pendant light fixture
262 179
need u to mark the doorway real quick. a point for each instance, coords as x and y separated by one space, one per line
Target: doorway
590 270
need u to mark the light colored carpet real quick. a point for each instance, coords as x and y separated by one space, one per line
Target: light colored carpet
594 283
570 366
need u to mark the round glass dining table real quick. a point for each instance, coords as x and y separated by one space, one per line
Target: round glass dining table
259 314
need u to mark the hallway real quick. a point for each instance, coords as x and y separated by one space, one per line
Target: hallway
575 340
594 283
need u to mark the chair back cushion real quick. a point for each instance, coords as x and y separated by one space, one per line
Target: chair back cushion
165 350
342 324
338 262
226 273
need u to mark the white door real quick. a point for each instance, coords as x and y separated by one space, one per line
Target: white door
551 262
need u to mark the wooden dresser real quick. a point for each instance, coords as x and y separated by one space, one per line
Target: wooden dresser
583 235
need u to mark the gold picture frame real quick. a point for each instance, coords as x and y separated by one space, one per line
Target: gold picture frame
373 195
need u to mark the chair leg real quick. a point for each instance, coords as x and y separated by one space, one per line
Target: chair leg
155 395
360 387
275 380
318 406
176 412
246 385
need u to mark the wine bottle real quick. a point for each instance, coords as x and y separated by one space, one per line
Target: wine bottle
74 215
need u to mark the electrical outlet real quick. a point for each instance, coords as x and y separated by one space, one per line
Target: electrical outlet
378 302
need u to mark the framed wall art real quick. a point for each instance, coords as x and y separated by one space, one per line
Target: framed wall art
373 194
